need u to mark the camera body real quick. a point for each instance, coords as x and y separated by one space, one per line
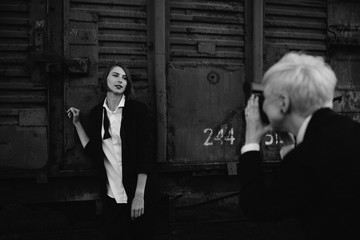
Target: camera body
257 89
263 115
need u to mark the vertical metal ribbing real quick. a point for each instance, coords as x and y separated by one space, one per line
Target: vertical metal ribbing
160 77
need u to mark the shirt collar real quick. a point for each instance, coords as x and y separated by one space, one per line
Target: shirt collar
301 133
120 105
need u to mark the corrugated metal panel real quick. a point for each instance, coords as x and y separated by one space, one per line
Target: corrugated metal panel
343 22
23 90
294 26
98 33
204 32
17 88
205 82
122 34
344 43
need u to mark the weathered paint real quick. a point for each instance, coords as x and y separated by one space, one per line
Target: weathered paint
294 26
271 145
81 42
160 93
23 147
23 87
257 30
344 28
343 35
205 80
116 30
88 97
344 42
204 74
346 63
347 101
78 65
205 123
96 35
207 33
33 117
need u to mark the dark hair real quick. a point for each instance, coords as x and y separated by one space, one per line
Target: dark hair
129 90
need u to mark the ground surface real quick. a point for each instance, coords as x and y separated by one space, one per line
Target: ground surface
78 222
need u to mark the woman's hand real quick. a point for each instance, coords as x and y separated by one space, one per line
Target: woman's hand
75 114
255 128
137 206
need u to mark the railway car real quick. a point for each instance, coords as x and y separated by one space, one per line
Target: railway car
194 64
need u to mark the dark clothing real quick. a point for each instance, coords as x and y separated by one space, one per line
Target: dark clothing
118 223
137 157
137 154
318 182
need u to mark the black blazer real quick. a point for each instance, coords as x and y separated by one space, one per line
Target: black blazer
137 152
318 182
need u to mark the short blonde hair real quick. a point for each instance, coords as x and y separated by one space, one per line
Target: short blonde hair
309 82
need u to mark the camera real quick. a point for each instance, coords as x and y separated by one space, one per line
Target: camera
257 89
263 115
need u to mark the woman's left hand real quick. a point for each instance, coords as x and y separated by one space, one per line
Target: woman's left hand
137 206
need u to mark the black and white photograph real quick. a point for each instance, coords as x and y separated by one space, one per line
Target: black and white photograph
179 119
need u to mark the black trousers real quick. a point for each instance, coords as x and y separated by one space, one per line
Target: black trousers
119 225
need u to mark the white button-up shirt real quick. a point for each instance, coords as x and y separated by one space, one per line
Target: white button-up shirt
113 153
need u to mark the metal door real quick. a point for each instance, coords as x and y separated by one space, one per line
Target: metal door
205 81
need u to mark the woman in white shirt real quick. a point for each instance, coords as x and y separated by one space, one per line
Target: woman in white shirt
119 145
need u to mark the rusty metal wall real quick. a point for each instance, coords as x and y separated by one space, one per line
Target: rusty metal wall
294 26
121 34
23 86
205 72
344 52
291 26
205 81
98 33
203 32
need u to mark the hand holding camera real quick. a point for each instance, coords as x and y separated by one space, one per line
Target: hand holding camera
255 126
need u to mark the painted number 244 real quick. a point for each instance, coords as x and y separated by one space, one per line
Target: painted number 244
221 136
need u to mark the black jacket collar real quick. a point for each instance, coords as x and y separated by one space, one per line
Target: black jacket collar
317 121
